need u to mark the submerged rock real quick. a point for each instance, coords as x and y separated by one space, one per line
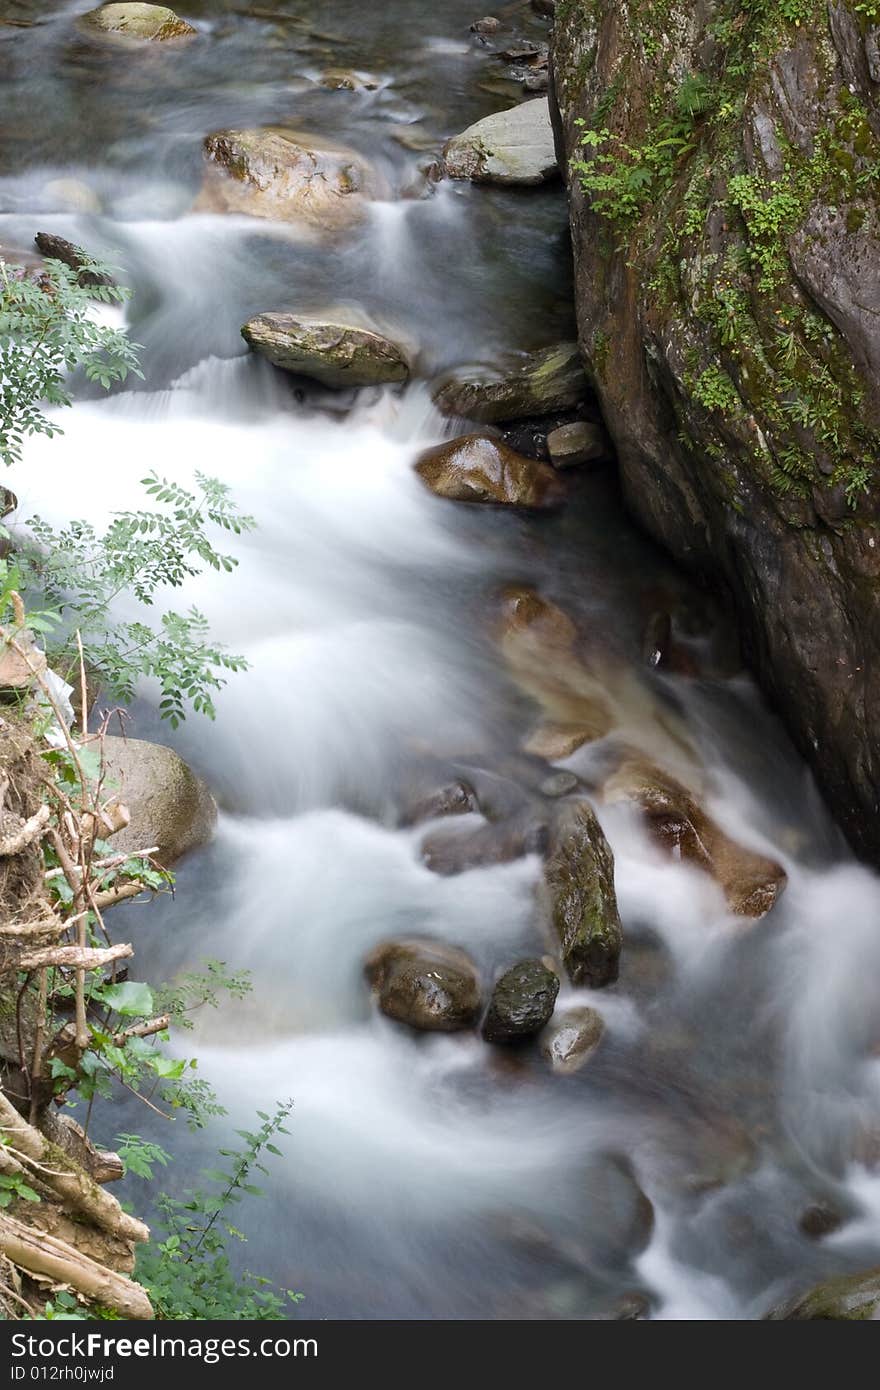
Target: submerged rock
138 21
347 80
449 852
678 824
336 354
286 175
456 799
579 881
425 984
620 1214
522 1002
170 806
527 384
569 1040
850 1298
579 442
508 147
476 468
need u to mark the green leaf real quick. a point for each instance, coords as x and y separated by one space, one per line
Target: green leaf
132 999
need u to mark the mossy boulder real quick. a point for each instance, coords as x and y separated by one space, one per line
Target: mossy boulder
170 806
582 903
849 1298
727 286
476 468
522 1002
508 147
138 22
522 385
337 355
287 176
425 984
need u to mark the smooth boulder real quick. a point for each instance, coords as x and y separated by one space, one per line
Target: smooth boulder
570 1039
524 385
337 355
476 468
285 175
170 806
138 21
425 984
677 822
522 1002
508 147
849 1298
580 442
579 884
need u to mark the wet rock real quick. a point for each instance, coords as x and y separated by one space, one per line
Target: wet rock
819 1220
525 51
620 1215
449 852
508 147
579 882
559 784
556 742
456 799
57 248
522 1002
170 807
527 618
678 824
138 21
527 384
850 1298
335 354
489 25
579 442
571 1039
346 80
475 468
537 81
286 175
426 984
544 7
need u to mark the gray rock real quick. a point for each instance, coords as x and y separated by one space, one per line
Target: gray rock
571 1039
508 147
579 879
526 384
425 984
456 799
486 26
522 1002
336 354
170 806
559 784
849 1298
579 442
138 21
476 468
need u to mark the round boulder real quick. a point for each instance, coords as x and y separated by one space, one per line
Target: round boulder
522 1002
169 805
476 468
138 21
426 984
337 355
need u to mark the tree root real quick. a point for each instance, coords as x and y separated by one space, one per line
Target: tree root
39 1253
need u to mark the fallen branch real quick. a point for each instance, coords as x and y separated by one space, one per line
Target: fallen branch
67 1178
76 957
142 1030
111 896
39 1253
111 862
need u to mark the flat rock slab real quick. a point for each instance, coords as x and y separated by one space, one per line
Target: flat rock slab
508 147
335 354
138 21
524 385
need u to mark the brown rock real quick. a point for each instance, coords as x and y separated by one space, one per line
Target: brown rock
475 468
426 984
571 1038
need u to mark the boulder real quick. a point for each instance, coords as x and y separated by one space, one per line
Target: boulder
170 807
569 1040
287 176
849 1298
138 21
508 147
579 442
678 824
526 384
425 984
579 884
522 1002
476 468
58 248
337 355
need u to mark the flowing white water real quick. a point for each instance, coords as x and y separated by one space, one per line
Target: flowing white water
431 1176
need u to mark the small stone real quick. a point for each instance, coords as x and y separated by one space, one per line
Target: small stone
579 442
476 468
346 80
488 25
571 1039
559 784
819 1220
522 1002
